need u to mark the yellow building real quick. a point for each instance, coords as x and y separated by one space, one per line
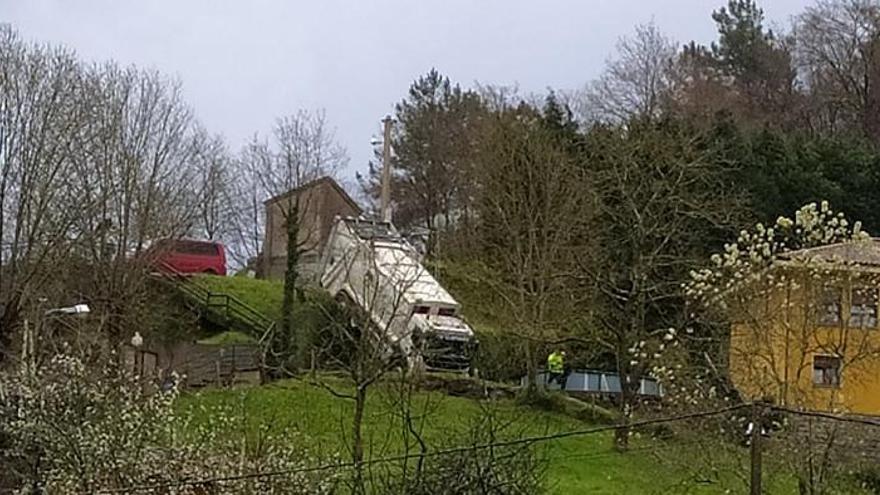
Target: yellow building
806 332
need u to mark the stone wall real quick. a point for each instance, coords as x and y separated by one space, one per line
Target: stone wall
841 443
197 364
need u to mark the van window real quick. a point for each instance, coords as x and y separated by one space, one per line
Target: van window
446 311
421 310
196 248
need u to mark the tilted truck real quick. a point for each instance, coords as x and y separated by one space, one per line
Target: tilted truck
369 265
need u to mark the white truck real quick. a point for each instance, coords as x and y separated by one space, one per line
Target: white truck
369 264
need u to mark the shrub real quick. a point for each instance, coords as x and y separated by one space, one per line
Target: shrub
869 479
73 427
500 358
317 341
472 469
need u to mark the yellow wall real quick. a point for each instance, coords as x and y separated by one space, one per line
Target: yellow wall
773 344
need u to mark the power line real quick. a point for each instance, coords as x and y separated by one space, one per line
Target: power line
834 417
435 453
507 443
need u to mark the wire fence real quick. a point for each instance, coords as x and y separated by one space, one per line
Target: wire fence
528 440
839 419
522 441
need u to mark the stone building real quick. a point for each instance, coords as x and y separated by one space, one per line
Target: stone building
318 203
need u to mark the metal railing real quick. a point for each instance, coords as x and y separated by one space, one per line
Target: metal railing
598 381
231 310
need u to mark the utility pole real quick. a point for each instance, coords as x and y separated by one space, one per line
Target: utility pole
385 202
755 449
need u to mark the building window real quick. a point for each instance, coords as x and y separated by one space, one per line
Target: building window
863 309
826 371
829 306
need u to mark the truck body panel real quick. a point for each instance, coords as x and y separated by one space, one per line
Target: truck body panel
372 266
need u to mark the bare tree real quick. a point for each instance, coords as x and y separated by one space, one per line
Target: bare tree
135 173
302 149
214 186
636 81
367 330
837 53
534 215
40 121
249 216
95 165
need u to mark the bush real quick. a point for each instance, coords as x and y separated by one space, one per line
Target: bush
317 342
318 318
500 358
472 469
73 427
869 479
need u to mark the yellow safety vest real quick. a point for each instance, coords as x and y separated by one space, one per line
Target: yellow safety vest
554 363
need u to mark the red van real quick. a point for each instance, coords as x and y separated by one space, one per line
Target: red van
188 256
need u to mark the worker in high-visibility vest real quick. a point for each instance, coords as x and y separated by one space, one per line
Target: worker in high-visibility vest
556 368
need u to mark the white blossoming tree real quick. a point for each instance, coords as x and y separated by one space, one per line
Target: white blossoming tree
758 315
782 292
81 425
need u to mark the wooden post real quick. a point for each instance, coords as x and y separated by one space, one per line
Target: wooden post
138 363
219 363
385 199
755 449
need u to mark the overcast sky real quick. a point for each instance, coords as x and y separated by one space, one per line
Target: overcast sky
245 62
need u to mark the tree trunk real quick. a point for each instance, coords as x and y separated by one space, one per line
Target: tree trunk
533 388
621 435
629 384
290 278
357 442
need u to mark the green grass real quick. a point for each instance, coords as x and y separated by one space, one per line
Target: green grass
263 295
581 464
470 283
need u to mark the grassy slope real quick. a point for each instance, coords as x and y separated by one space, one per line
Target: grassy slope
465 281
262 295
584 464
575 465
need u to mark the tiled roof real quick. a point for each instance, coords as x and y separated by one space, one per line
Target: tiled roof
865 253
308 185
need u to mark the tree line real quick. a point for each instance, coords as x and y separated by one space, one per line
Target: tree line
580 214
99 160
